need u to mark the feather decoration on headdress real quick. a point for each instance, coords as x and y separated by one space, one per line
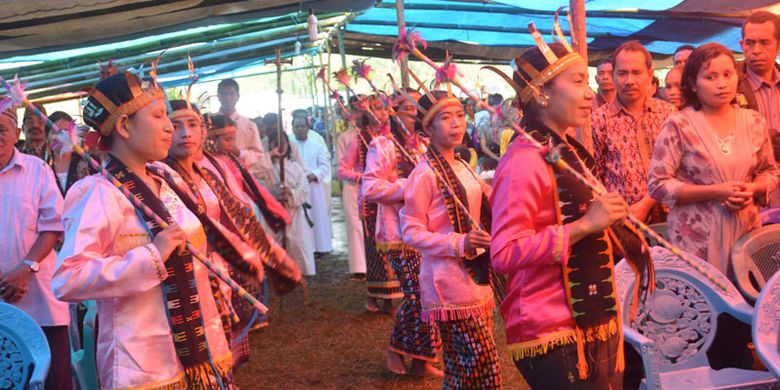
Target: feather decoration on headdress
193 77
407 41
16 94
360 69
107 70
342 76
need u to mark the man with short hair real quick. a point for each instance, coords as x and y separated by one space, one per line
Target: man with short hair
35 134
681 54
316 162
625 130
30 226
759 74
606 92
485 129
247 138
759 81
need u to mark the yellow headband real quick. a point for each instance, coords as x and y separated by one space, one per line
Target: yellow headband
222 131
436 109
546 75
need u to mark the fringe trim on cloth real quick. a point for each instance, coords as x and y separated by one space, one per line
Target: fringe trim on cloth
540 346
600 332
458 312
390 289
204 373
387 246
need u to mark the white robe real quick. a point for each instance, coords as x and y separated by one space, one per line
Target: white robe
316 160
300 236
349 196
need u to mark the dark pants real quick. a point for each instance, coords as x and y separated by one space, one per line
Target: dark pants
59 372
557 369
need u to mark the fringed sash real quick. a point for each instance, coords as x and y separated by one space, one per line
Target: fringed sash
478 267
179 288
252 188
589 273
244 223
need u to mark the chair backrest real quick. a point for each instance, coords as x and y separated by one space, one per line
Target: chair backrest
766 325
24 352
755 258
681 316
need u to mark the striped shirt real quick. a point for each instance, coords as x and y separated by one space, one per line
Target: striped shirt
767 97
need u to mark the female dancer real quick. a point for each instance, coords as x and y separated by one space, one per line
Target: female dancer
159 324
552 236
381 280
435 223
712 161
391 157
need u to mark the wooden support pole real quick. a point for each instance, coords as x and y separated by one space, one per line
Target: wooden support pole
579 36
342 52
399 12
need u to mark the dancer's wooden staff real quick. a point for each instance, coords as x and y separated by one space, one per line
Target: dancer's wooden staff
334 95
407 44
17 95
280 129
363 71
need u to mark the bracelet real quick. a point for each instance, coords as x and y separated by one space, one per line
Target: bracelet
156 261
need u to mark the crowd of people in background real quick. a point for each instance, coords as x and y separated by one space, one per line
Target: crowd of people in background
448 211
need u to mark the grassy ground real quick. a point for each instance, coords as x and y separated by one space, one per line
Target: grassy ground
331 342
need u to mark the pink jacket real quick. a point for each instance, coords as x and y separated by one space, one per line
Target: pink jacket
530 247
447 291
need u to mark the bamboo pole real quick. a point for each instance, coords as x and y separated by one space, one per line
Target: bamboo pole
404 62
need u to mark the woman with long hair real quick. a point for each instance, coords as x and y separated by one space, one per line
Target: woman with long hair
712 161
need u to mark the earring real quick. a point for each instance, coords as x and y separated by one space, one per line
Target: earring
542 99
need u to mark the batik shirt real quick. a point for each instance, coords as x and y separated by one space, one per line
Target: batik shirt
621 150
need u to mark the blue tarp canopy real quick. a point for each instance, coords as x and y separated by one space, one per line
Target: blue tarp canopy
661 25
56 46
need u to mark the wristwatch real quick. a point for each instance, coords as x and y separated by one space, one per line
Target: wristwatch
32 265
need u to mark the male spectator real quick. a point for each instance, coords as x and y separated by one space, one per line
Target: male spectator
673 89
681 55
30 226
759 75
606 85
759 82
247 138
486 131
316 162
625 130
35 134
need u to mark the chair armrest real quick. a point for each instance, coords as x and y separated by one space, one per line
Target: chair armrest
647 350
38 376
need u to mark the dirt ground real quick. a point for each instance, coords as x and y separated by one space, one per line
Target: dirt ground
331 342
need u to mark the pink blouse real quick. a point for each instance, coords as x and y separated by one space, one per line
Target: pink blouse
530 247
382 185
447 291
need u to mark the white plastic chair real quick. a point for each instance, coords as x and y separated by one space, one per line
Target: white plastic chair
25 356
675 326
755 258
83 360
766 325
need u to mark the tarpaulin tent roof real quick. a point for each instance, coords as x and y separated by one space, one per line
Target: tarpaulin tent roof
486 30
55 46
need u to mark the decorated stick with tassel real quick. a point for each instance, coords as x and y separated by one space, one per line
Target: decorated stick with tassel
18 96
334 95
407 44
